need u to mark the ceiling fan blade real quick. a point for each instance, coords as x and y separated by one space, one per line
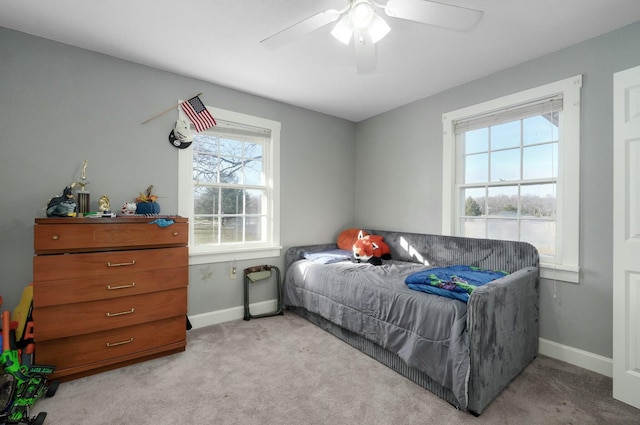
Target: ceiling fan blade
456 18
301 28
365 51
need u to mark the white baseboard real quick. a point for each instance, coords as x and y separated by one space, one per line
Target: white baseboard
234 313
574 356
584 359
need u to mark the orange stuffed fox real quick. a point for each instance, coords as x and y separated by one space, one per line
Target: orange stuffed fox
371 248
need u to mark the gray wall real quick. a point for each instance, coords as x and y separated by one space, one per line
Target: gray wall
60 105
398 183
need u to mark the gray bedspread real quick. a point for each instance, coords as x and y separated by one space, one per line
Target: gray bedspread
428 332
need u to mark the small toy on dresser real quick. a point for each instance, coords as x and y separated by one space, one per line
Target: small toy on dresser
146 202
62 205
129 208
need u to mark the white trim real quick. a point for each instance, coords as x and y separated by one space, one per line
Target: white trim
560 273
237 255
575 356
201 255
235 313
568 188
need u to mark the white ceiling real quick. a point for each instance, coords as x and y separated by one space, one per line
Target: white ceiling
218 41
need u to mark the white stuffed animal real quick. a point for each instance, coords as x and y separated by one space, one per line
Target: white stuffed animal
129 208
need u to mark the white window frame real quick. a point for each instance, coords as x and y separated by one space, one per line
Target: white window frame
566 265
249 251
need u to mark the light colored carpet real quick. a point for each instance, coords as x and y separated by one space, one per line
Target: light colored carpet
284 370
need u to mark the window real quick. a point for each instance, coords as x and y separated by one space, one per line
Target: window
511 171
229 189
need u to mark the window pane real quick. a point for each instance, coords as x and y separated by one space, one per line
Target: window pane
538 200
474 202
230 161
253 169
230 147
503 201
476 168
205 143
505 165
205 168
505 135
232 201
254 201
205 230
231 231
205 200
234 175
474 228
476 140
540 129
502 229
540 161
541 234
254 229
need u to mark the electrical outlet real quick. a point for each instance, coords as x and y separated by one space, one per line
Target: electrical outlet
232 273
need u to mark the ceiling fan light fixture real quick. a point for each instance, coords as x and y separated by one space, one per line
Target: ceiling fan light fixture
362 21
378 29
343 31
361 17
362 14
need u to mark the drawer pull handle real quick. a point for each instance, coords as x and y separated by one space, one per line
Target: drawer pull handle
55 237
121 313
111 288
115 344
121 264
175 233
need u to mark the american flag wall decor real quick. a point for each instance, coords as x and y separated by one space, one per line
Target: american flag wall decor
198 114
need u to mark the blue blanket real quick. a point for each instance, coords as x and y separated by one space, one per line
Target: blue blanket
457 282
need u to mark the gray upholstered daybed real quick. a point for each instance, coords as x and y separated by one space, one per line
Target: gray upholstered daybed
466 353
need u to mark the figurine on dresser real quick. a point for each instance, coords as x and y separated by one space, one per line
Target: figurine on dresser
63 205
104 204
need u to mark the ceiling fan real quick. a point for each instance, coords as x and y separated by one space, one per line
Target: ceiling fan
361 22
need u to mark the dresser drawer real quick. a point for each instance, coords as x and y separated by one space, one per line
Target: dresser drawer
70 352
67 291
93 235
107 264
95 316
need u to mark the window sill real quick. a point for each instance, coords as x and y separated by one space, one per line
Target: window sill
561 273
220 256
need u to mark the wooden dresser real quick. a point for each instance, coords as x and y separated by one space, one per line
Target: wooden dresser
108 292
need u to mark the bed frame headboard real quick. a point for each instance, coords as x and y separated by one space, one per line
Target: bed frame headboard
442 251
439 250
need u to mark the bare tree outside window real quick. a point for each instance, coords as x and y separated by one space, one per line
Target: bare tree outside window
229 188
